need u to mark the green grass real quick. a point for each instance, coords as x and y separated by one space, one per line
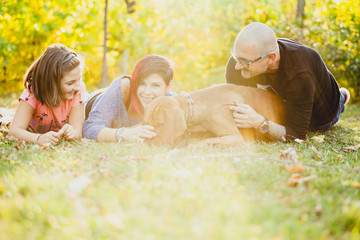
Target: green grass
136 191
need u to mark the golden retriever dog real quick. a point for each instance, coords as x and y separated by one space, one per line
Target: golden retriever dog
207 111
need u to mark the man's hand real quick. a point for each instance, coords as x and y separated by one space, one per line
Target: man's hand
245 116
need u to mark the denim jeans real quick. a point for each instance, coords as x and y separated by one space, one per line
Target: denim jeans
327 126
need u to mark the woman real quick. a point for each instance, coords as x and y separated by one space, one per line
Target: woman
115 114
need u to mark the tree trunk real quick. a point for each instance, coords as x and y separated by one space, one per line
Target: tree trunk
104 82
125 61
300 18
300 12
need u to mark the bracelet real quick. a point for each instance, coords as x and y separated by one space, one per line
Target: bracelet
37 140
119 134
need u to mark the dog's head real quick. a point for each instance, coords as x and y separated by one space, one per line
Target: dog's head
166 116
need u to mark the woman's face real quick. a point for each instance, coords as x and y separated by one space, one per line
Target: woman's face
150 88
70 83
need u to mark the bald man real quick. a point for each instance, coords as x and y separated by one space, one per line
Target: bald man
291 70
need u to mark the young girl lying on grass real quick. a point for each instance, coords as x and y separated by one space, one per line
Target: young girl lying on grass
51 105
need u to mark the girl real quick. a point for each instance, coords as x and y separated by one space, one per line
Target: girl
51 105
115 113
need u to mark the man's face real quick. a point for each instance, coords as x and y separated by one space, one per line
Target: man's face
248 61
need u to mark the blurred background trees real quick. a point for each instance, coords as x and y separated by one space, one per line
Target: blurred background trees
195 34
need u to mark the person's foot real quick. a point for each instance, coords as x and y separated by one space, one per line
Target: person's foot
346 93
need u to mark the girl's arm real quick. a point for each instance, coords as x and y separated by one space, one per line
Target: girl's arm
21 122
76 122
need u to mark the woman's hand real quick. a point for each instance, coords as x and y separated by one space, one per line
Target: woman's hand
245 116
68 132
138 133
48 138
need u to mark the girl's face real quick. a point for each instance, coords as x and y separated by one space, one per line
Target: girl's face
150 88
70 83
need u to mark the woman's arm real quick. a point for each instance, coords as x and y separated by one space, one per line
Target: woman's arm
108 134
136 133
106 110
21 122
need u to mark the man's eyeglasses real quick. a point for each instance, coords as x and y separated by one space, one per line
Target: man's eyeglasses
245 62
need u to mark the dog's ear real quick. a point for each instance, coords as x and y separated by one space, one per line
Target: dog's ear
155 118
174 125
165 114
151 111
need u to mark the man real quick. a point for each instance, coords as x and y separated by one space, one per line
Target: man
290 69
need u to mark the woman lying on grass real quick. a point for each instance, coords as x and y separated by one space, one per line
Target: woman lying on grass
114 113
51 105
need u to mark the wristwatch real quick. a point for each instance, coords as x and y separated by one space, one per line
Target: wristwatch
264 126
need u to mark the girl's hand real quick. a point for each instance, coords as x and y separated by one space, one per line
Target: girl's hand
67 131
48 138
138 133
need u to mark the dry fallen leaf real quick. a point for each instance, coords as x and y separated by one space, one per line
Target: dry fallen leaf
289 154
296 168
19 144
296 179
45 146
351 148
298 140
318 139
318 154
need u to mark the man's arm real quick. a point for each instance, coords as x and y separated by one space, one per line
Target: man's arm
246 117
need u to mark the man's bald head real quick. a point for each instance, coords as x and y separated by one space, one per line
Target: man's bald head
257 35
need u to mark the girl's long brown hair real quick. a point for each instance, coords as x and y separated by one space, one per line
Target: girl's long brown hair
44 75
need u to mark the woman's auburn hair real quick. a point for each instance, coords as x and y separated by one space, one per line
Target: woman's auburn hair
44 75
146 66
